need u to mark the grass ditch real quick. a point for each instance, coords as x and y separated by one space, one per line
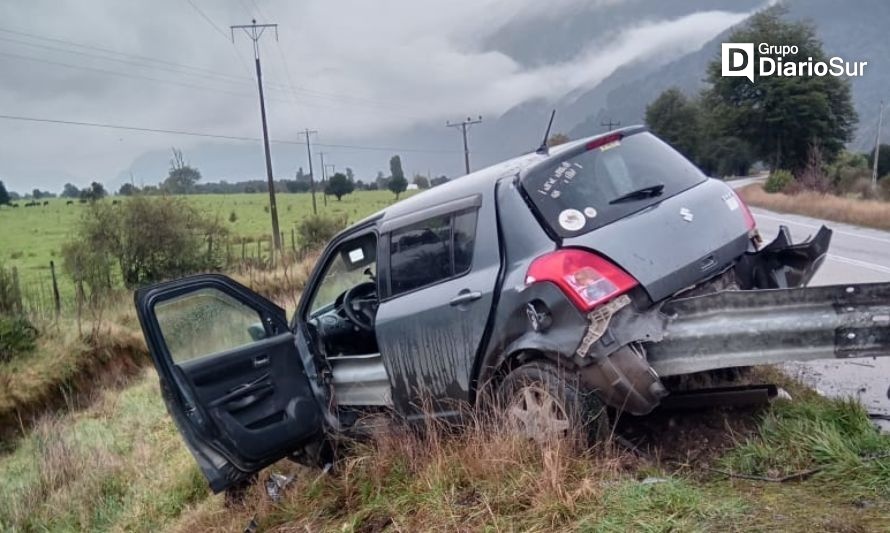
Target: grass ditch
866 213
119 464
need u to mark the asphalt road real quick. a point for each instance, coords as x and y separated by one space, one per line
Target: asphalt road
856 255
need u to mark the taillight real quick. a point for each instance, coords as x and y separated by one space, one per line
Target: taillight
746 212
586 278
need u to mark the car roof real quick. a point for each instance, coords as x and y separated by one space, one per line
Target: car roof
473 183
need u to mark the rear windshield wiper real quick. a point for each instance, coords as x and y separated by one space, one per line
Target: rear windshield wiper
645 192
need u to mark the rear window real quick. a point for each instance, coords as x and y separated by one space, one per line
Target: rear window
574 195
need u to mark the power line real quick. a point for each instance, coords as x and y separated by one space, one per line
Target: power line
135 59
208 19
188 133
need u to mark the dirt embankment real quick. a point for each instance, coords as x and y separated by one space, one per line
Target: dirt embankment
67 374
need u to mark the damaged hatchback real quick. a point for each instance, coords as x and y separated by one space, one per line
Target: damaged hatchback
594 270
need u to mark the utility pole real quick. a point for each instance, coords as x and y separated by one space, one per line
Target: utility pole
463 128
324 179
874 167
610 125
307 132
255 31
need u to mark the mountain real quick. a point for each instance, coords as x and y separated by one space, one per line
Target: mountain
854 34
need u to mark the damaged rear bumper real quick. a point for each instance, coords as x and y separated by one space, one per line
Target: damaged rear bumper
774 318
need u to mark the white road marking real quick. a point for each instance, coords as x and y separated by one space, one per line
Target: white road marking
857 262
839 232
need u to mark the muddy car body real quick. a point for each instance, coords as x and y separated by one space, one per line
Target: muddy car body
564 259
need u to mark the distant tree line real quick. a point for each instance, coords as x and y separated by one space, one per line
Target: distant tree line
184 178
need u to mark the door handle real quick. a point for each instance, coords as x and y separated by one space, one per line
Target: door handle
465 296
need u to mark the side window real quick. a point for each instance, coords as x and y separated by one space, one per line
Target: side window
464 239
204 322
430 251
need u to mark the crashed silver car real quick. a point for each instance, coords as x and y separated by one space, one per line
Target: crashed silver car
570 283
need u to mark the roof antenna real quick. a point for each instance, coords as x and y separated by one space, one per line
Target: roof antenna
543 149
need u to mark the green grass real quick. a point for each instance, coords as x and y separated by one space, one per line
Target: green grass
32 237
118 465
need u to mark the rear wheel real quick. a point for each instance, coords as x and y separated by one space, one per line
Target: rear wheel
545 402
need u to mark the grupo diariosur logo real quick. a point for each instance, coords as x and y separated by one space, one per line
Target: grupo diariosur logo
738 60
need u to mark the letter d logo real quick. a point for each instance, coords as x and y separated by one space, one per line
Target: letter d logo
738 60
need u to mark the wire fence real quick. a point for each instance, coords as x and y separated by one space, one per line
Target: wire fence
49 293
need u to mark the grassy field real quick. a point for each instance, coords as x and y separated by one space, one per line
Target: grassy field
32 237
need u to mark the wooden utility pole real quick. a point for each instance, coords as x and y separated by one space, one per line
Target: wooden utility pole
255 31
307 132
610 125
463 128
874 166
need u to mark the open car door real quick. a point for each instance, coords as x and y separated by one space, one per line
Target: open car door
231 375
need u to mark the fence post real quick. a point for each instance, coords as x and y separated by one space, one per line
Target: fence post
16 291
293 240
56 298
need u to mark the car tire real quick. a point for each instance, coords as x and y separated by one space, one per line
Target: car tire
545 402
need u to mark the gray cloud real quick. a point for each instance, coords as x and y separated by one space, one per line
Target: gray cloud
358 69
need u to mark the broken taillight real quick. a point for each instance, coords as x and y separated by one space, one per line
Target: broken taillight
586 278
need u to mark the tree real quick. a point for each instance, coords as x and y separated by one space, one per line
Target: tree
4 195
36 194
70 191
96 191
781 117
128 189
395 167
152 239
182 177
397 185
883 159
339 185
421 181
441 180
674 118
350 175
558 138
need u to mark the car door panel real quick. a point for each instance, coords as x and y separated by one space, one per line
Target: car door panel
245 403
429 337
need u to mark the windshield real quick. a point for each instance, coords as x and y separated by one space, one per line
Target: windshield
346 268
578 194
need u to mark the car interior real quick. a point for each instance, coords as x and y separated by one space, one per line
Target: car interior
341 318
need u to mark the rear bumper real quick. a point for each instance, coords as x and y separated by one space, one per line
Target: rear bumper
760 324
782 264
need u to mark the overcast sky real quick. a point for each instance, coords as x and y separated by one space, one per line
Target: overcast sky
354 69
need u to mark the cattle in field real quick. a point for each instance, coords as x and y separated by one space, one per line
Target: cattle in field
69 202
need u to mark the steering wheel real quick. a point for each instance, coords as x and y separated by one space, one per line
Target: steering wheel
360 305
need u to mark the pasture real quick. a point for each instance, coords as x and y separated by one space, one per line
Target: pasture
31 237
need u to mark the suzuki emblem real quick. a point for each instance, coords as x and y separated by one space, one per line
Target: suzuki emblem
686 215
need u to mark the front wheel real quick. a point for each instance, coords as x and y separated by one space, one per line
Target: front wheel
545 402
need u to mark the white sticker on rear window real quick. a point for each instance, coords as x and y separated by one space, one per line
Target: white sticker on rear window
356 255
572 219
590 212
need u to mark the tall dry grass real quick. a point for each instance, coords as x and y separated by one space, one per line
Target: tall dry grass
481 475
868 213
